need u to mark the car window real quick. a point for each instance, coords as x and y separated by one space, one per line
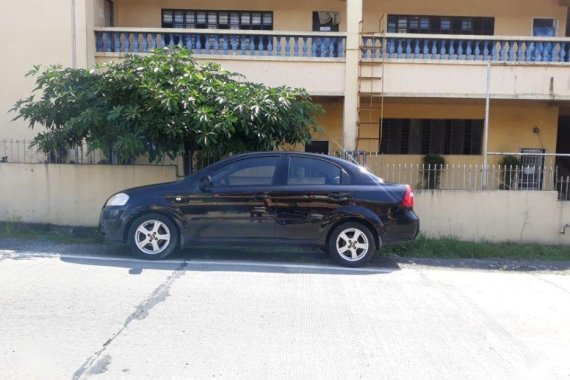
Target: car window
313 171
247 172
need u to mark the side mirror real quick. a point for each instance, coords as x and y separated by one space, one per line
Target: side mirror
205 183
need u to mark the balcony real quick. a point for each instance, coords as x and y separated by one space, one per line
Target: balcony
419 65
312 60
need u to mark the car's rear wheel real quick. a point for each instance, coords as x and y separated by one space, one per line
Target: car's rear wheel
153 237
352 244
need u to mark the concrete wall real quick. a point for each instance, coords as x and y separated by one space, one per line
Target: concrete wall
510 122
453 79
497 216
512 17
287 15
68 194
74 195
320 77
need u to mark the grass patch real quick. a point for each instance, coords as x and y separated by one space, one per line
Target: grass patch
62 234
449 248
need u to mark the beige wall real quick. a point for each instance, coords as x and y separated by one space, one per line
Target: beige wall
287 15
68 194
497 216
452 79
512 17
40 33
510 122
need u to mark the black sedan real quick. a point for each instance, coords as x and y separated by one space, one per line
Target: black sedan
282 198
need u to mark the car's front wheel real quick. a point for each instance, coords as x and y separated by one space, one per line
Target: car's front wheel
153 237
352 244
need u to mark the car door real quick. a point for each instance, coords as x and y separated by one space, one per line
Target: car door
313 188
237 205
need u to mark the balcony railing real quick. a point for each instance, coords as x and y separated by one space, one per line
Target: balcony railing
223 42
466 48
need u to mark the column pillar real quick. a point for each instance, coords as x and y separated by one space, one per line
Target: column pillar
350 114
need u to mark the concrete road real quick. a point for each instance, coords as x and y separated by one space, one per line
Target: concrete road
74 317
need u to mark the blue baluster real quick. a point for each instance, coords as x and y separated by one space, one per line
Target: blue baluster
408 48
538 52
554 52
260 45
373 48
270 45
548 54
198 49
425 52
162 43
117 37
520 50
145 42
459 49
503 47
511 51
452 49
242 43
189 38
109 44
365 47
442 50
216 44
127 42
433 49
417 48
234 42
278 46
477 50
99 41
341 46
207 47
296 46
469 50
171 41
153 41
332 47
486 49
251 46
225 44
287 46
400 48
135 42
305 46
316 43
529 51
563 52
494 53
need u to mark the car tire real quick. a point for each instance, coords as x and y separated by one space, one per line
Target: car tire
153 237
351 244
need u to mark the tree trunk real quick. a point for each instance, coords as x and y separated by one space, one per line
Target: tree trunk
187 161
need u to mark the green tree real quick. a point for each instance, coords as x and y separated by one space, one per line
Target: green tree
163 103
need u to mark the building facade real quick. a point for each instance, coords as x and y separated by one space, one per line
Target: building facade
397 78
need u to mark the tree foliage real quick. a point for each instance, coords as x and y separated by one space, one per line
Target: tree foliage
163 103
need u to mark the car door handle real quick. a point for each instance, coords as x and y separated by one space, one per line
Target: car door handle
261 197
338 196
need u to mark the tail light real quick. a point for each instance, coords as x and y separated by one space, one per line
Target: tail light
408 200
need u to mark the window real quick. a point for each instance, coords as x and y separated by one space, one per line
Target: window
441 24
544 27
312 171
431 136
326 21
203 19
321 147
247 172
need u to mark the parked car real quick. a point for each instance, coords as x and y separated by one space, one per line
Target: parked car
283 198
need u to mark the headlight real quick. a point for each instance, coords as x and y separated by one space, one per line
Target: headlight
118 200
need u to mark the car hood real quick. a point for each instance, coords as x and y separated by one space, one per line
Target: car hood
153 189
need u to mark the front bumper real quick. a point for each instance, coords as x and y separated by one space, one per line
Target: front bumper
111 224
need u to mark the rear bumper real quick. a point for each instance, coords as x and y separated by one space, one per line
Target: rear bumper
111 225
405 226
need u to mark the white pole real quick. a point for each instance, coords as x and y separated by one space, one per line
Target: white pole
486 128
